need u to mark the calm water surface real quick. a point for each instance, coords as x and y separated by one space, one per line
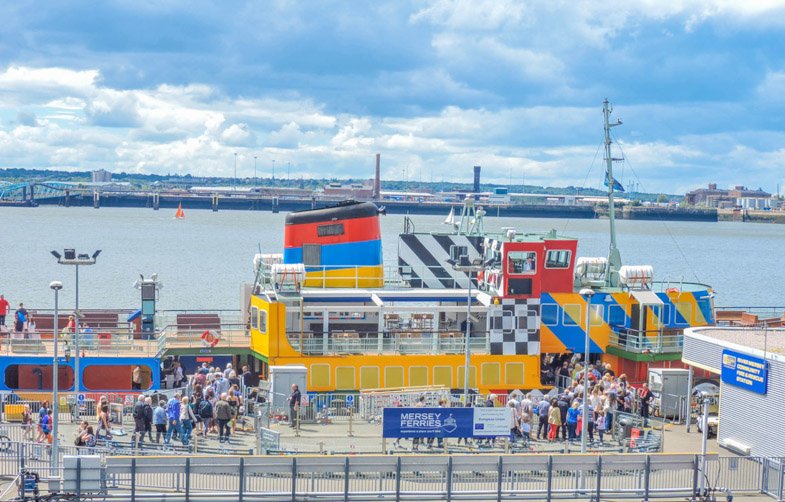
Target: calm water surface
204 259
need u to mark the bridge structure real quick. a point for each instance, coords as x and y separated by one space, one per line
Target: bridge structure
28 193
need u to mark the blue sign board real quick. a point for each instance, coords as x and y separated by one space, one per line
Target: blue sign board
748 372
446 422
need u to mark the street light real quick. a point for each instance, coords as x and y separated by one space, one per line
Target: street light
69 257
254 169
273 171
56 286
234 180
462 264
588 293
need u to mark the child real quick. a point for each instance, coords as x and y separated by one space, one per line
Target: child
601 424
27 423
526 429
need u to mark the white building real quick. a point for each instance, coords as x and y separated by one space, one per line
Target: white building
751 366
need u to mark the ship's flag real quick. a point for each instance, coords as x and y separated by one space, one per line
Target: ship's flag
616 185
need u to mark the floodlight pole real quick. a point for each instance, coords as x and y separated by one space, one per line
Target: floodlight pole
54 459
588 293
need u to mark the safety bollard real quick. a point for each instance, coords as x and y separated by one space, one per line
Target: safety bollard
351 422
297 423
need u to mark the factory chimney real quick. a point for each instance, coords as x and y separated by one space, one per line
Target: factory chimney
377 180
476 179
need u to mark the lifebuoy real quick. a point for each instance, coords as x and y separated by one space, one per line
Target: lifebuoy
672 291
210 338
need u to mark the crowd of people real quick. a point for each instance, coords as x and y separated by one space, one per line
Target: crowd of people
214 406
561 416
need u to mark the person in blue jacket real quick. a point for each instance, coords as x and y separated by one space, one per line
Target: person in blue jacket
572 421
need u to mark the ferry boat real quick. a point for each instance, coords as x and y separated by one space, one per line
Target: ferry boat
328 303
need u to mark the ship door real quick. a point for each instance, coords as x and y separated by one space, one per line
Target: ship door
312 255
638 318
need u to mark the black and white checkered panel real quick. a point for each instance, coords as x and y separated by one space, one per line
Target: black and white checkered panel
514 327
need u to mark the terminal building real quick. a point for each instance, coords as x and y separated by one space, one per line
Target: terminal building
750 364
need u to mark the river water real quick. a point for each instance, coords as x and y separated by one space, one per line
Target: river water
203 259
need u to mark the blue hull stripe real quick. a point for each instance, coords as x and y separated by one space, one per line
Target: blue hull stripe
349 254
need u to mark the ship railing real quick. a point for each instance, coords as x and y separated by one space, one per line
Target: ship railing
663 286
91 343
393 275
410 342
645 341
203 337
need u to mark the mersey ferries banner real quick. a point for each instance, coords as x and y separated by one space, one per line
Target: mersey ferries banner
446 422
744 371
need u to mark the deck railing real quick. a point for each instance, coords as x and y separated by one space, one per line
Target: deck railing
103 343
641 341
431 342
225 335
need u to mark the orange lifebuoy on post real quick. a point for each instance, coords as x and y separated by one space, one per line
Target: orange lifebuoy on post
672 291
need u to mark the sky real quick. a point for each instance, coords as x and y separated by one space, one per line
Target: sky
317 88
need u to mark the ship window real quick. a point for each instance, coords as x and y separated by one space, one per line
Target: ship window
550 314
393 376
263 321
418 376
685 309
596 315
114 376
38 377
472 376
513 373
572 315
558 258
320 375
442 375
616 315
344 378
521 262
255 317
369 377
329 230
491 374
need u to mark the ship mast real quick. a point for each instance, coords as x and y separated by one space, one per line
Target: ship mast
614 257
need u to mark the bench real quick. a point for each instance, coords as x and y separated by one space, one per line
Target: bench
748 319
728 316
198 322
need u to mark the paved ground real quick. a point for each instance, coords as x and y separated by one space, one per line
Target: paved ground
363 437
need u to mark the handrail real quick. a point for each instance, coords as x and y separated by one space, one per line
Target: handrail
646 341
405 342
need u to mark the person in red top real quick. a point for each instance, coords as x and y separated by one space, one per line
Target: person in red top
3 309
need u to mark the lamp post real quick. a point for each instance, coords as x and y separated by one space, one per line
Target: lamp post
254 169
69 257
56 286
234 180
273 171
588 293
462 264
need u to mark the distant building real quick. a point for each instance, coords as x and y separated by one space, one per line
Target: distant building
102 176
738 197
751 199
357 191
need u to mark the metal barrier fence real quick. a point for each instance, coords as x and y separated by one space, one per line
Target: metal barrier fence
483 477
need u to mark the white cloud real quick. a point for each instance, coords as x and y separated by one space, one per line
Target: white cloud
238 135
39 82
